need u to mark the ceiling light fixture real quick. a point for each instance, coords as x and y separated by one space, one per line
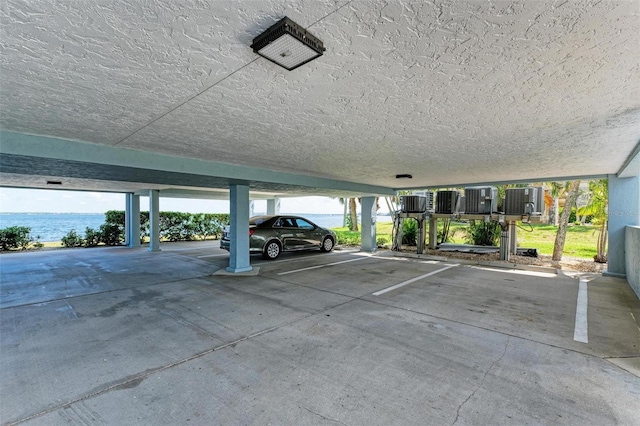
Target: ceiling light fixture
288 44
404 176
54 182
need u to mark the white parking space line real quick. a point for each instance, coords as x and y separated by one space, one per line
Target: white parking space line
322 266
213 255
296 258
518 272
412 280
581 330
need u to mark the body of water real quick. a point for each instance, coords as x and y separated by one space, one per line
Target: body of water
53 226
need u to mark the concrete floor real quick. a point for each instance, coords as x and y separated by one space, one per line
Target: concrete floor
124 336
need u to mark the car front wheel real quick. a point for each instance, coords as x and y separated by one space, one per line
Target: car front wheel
272 250
327 244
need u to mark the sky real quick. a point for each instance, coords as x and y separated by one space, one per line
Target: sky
15 200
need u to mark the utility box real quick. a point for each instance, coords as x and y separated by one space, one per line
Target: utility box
413 203
524 200
480 200
446 202
429 195
460 205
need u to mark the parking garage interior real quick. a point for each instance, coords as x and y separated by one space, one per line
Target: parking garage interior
155 100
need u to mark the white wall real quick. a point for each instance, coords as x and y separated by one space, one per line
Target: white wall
632 257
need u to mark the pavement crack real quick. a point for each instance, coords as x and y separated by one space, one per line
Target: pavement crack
135 380
324 417
481 381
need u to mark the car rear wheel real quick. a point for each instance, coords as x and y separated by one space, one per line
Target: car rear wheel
272 250
327 244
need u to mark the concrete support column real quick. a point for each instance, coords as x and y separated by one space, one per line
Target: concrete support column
154 220
132 221
239 259
624 210
505 237
433 233
421 235
368 231
513 238
273 206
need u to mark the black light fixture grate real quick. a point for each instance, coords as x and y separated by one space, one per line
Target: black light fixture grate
288 44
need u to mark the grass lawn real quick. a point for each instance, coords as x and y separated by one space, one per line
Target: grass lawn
580 242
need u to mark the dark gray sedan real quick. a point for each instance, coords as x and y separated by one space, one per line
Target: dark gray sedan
271 235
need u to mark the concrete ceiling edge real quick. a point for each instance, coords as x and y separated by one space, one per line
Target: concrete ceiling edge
20 144
631 166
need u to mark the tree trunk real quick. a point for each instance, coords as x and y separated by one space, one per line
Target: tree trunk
601 257
354 214
569 202
556 211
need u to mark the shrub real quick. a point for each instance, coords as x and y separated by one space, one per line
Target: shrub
72 239
15 237
382 242
444 234
115 217
213 224
92 237
112 234
348 238
409 232
483 233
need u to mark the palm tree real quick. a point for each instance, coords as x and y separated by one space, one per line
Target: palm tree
353 226
598 209
557 190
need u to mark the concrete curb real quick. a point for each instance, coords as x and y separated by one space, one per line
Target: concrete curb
491 263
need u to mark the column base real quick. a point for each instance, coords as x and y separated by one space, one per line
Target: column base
238 270
606 273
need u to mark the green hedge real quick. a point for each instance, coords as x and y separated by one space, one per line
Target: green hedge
174 226
17 237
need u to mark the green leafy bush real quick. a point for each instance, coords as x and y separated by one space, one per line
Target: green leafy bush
174 226
213 224
72 239
112 230
409 232
382 242
15 237
348 238
483 233
92 237
111 234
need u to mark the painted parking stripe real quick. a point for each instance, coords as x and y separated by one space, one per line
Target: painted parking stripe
581 330
517 271
296 258
412 280
213 255
322 266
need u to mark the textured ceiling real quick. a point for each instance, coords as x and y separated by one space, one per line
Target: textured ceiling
452 92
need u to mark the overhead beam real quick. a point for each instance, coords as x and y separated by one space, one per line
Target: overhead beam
141 165
631 166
